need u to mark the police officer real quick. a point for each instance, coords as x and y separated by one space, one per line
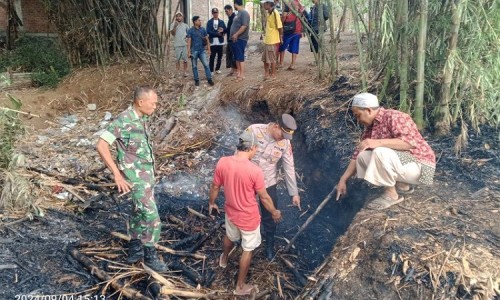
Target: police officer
273 146
134 172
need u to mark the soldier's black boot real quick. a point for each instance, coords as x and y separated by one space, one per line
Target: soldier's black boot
269 246
135 251
151 260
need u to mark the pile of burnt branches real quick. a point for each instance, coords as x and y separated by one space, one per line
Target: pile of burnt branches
190 245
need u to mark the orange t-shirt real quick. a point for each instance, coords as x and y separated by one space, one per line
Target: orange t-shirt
241 180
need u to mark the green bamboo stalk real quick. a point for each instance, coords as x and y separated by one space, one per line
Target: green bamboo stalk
354 12
321 53
403 71
333 46
443 118
418 114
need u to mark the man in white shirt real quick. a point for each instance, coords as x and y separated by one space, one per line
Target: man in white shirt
215 29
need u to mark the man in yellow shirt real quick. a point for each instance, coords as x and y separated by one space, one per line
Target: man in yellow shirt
273 37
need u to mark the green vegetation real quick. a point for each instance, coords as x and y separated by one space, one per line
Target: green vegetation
42 56
10 131
439 60
15 189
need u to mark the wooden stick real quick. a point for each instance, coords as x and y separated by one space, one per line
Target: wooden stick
194 212
158 277
168 291
176 220
20 112
444 263
311 217
302 280
162 248
95 270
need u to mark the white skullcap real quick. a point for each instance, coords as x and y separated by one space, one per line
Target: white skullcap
365 100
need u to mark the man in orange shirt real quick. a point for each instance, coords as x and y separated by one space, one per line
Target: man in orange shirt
241 180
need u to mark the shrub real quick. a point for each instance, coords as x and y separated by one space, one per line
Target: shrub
39 55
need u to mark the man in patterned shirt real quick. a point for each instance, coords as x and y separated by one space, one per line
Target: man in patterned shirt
392 153
133 172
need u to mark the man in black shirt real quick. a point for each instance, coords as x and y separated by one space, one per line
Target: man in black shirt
230 62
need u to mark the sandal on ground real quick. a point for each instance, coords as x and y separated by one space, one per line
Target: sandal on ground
221 264
409 191
239 78
383 202
291 68
247 290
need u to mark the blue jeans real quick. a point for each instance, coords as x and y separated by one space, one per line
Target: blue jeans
202 55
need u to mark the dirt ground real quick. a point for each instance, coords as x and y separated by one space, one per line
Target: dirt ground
441 243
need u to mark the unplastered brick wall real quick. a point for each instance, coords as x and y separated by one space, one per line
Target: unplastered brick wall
203 9
33 15
3 19
35 18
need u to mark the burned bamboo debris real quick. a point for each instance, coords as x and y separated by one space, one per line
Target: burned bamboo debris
185 241
163 248
202 240
102 275
300 278
191 274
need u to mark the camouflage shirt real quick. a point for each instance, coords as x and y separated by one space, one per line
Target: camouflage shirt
133 141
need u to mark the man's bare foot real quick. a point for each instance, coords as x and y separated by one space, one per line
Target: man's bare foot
245 289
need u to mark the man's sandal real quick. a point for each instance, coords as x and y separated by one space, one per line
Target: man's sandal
383 202
222 264
409 191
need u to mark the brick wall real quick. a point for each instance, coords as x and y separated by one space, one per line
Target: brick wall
3 19
33 16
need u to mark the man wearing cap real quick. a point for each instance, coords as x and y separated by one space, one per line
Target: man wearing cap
274 145
392 153
273 37
241 180
179 31
216 28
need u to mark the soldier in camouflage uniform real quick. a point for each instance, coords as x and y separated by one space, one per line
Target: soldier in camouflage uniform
134 172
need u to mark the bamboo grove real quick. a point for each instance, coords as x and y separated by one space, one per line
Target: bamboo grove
436 59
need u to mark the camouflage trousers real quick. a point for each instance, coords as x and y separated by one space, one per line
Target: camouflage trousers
144 223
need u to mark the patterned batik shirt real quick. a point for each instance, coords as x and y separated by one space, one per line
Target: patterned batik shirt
390 124
133 141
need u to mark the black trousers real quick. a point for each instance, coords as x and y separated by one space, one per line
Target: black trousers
314 43
267 222
216 50
230 62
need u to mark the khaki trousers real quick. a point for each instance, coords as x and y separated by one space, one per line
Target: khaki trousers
382 167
